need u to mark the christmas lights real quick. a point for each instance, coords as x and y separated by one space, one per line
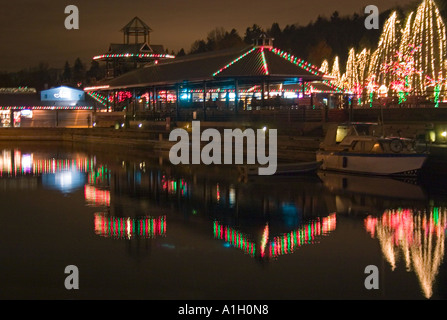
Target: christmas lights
335 72
132 55
46 108
234 61
385 53
324 67
429 32
264 62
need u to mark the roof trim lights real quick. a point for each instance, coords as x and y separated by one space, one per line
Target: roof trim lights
234 61
266 68
297 61
134 55
96 88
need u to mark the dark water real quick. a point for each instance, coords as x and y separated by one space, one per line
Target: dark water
138 228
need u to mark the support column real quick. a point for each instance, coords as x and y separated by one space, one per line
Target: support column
263 93
155 99
204 100
177 95
134 103
114 100
268 92
236 95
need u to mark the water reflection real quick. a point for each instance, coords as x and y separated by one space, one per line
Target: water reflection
128 228
96 197
129 201
63 174
271 246
418 237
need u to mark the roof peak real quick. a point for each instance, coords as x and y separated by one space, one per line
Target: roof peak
136 24
136 28
263 40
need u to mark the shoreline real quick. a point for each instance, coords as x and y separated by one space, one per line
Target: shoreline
291 148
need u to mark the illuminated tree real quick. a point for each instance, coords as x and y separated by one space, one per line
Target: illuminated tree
335 72
325 67
402 69
386 50
429 32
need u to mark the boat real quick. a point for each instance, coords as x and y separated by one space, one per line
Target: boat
284 168
363 148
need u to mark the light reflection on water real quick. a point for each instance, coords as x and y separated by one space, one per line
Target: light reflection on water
417 237
300 224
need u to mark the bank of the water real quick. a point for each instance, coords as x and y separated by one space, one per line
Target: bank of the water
291 146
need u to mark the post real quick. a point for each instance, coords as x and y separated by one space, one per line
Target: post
134 103
155 99
204 101
268 92
114 100
262 93
236 95
177 94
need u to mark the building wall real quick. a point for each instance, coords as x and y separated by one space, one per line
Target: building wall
58 118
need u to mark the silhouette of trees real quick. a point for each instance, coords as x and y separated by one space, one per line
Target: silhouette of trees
217 39
324 38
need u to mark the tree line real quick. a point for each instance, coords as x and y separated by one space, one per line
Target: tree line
324 38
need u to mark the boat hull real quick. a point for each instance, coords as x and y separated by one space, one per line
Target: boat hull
370 163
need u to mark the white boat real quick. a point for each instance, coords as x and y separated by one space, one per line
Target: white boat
360 148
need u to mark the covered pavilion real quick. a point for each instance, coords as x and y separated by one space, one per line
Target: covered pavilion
233 79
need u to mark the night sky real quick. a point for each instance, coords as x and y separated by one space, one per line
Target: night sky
33 31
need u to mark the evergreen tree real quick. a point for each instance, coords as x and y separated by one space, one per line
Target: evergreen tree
67 74
78 72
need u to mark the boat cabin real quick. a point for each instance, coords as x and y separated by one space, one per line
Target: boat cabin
363 138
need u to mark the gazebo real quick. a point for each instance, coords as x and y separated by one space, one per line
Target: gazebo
135 51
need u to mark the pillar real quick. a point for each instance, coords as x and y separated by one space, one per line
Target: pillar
263 93
236 96
177 95
204 100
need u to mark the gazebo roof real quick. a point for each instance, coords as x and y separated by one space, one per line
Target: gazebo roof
245 63
136 25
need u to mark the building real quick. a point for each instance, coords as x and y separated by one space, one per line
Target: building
54 107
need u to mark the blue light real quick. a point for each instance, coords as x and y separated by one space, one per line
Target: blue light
65 181
184 96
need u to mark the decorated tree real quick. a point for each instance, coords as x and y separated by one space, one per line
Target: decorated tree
429 33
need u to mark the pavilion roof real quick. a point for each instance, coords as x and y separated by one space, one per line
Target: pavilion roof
325 86
252 62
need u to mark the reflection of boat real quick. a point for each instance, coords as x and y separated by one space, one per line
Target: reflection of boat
371 185
284 168
357 148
